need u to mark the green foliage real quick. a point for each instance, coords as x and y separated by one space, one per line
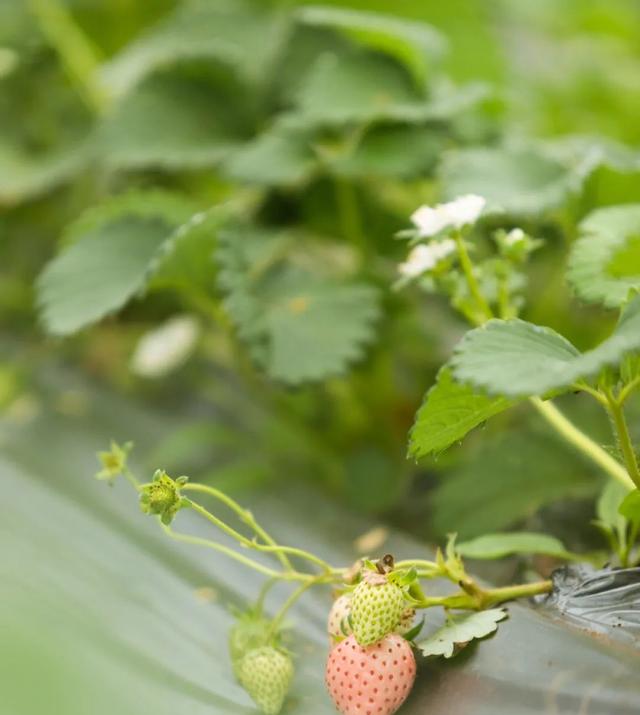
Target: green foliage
282 155
608 509
497 546
198 29
449 411
460 630
194 124
299 326
604 265
630 507
357 87
504 480
416 45
516 358
519 181
106 259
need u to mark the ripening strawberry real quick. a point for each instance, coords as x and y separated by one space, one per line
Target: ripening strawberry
338 626
266 673
377 605
372 680
338 622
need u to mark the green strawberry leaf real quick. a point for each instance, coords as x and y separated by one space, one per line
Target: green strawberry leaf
449 411
520 181
459 631
281 156
415 44
630 507
604 265
298 325
516 359
520 472
202 30
497 546
106 257
173 120
608 509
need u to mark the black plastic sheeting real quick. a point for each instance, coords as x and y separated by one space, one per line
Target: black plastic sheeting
605 601
136 641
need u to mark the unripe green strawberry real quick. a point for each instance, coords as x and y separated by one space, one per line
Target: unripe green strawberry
266 673
249 632
377 606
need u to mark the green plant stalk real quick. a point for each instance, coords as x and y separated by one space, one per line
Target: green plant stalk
131 478
624 440
581 441
278 618
251 544
472 282
78 55
332 576
474 598
628 389
563 426
349 216
243 514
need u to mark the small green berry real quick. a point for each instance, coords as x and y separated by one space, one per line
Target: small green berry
266 674
377 606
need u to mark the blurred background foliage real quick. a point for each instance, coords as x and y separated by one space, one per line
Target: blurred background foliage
220 163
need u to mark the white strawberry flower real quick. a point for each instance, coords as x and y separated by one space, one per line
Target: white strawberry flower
425 257
160 351
465 209
430 220
455 214
514 236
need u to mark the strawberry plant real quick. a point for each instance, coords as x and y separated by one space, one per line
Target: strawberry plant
267 240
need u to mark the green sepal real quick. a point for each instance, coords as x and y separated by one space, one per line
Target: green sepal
161 496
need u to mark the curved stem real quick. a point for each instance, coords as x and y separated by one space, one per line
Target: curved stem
495 596
266 587
624 439
628 389
583 387
131 478
275 624
472 282
579 439
244 515
550 412
474 598
251 544
78 55
197 541
425 569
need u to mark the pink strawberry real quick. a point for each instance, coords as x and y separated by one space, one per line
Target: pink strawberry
338 622
371 680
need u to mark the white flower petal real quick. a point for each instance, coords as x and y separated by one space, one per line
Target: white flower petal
165 348
464 210
429 221
425 257
420 259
